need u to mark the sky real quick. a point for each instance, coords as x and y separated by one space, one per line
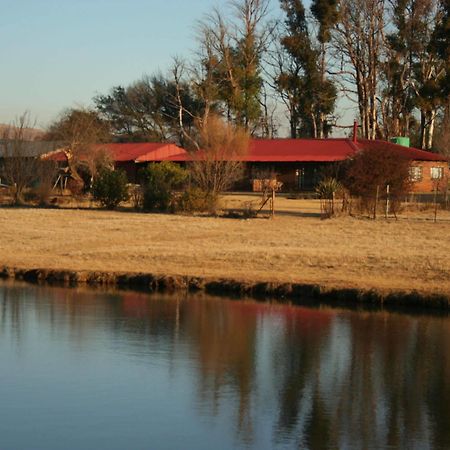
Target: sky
58 54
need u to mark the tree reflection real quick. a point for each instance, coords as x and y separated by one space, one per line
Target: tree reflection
223 337
316 378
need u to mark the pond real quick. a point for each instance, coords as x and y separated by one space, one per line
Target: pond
94 369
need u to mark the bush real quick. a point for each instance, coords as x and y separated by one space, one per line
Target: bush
328 190
371 171
110 188
136 196
161 179
197 200
46 174
218 166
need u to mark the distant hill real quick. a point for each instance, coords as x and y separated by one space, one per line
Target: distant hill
30 134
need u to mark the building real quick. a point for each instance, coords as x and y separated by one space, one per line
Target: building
298 163
301 163
132 157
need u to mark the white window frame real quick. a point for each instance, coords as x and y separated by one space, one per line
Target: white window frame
415 173
436 173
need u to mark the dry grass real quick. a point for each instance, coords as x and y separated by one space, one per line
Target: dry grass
342 252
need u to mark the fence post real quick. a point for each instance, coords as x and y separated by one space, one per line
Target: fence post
273 202
376 203
387 202
435 203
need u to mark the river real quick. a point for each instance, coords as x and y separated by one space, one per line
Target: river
92 369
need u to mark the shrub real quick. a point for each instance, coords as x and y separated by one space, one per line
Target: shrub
136 196
197 200
46 175
328 189
372 170
218 165
110 188
161 179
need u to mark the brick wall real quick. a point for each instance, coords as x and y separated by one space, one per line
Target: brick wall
425 182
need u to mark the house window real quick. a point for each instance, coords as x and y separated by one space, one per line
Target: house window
415 173
437 173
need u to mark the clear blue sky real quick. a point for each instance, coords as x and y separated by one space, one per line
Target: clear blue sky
57 54
60 53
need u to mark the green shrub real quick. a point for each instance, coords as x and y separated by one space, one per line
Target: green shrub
197 200
110 188
328 188
136 196
161 179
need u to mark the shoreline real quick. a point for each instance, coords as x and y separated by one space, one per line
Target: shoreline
294 293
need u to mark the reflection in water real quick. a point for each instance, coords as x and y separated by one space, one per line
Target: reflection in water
126 370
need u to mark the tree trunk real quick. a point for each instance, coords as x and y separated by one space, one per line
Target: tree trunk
423 122
430 129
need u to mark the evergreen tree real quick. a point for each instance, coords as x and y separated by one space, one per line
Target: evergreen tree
147 110
311 96
414 70
233 59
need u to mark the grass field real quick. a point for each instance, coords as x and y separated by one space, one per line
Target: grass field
294 247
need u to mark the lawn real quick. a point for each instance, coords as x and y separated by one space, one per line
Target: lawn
297 246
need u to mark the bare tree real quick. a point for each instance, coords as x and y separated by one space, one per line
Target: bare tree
19 165
218 165
46 173
358 41
78 131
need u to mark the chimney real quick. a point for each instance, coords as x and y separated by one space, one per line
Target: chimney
355 131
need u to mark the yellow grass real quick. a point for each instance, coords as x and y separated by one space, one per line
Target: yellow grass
295 247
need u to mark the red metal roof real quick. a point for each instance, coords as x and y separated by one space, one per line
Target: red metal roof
136 152
142 151
411 153
265 150
299 150
325 150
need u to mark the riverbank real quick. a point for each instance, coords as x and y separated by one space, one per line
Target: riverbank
301 294
283 258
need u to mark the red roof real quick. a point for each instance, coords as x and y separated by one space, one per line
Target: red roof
265 150
136 152
142 151
301 150
411 153
325 150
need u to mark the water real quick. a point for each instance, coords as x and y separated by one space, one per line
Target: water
82 369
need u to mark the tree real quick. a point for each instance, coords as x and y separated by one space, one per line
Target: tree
300 76
441 142
326 14
161 179
397 101
414 71
110 188
78 131
19 167
372 170
441 44
233 56
358 42
147 110
429 68
218 165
